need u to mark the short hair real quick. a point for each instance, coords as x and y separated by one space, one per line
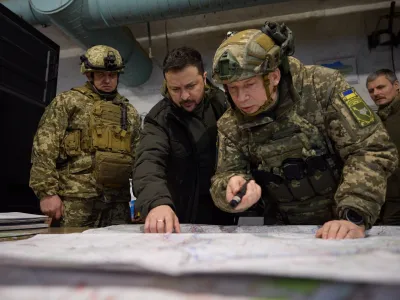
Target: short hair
179 58
389 74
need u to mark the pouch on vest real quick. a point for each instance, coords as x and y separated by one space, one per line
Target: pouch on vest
111 138
112 145
315 211
295 172
320 175
112 169
275 185
72 143
106 131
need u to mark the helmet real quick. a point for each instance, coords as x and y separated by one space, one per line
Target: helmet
245 54
101 58
253 52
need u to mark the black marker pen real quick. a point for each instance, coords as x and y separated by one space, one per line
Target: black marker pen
238 197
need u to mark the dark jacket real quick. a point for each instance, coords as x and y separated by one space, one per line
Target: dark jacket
176 159
390 116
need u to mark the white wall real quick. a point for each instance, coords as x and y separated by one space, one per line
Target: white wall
316 39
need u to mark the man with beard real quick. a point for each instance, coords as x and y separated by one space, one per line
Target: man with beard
176 156
384 89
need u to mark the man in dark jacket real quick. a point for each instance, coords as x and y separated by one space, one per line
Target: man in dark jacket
176 156
383 87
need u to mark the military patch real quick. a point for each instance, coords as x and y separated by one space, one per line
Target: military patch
359 109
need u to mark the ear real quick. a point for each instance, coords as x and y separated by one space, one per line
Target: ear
89 76
396 85
205 77
275 77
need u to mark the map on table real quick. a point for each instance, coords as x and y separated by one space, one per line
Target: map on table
288 251
298 231
50 284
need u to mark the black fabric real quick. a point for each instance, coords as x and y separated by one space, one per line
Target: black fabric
176 159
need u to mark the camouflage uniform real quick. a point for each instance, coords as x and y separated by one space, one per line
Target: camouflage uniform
320 151
83 151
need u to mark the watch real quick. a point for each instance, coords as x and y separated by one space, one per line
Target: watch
353 217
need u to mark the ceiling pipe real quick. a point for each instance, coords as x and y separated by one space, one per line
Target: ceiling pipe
97 14
66 15
257 23
91 22
113 13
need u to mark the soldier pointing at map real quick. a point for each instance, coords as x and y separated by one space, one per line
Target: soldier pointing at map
300 137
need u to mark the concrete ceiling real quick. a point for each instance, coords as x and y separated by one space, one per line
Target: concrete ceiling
220 22
233 18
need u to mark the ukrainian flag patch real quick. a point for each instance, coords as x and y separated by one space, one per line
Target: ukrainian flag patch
358 108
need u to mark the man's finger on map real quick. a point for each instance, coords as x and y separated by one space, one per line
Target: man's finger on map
147 225
153 225
333 230
177 226
160 225
342 232
318 234
325 230
169 225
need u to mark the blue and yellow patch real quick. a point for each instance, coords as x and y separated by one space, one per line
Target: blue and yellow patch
358 108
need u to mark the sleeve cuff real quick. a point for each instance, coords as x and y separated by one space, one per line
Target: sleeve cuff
164 201
366 217
42 194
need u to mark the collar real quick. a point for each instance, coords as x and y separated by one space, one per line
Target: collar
387 110
103 95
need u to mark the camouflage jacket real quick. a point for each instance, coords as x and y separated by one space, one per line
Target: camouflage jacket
329 113
54 172
390 116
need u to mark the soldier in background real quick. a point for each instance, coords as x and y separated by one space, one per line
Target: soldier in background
299 137
84 147
384 89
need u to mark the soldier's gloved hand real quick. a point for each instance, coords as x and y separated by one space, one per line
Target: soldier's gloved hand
161 219
253 192
340 229
52 206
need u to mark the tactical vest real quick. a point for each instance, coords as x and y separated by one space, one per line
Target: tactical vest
107 137
295 166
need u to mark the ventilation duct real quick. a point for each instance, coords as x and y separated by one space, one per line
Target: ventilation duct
92 22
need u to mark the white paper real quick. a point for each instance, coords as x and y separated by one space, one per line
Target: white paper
41 284
292 231
20 216
276 252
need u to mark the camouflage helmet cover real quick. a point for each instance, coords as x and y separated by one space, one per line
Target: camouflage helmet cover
102 58
245 54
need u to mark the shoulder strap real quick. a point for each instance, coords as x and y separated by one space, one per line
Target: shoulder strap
83 90
119 99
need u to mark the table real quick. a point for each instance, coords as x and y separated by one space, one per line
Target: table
65 230
30 281
25 234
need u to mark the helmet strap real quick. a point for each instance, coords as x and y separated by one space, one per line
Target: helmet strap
107 95
269 103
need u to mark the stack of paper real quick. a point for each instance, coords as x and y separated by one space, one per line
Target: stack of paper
19 224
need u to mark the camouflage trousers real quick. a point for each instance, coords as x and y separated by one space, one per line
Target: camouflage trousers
94 212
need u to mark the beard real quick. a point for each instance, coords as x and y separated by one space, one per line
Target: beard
188 105
186 102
